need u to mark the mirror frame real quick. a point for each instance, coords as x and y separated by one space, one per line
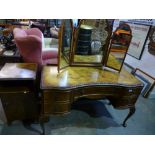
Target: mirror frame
110 44
60 42
75 38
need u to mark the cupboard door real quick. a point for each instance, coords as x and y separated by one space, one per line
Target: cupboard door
19 105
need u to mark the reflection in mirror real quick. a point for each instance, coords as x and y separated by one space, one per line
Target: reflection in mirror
118 47
65 43
90 42
67 38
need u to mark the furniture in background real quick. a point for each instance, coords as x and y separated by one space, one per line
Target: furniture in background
18 99
38 25
8 56
6 37
54 26
45 25
29 44
9 27
54 31
8 50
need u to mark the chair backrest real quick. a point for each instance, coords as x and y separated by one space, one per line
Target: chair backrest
29 43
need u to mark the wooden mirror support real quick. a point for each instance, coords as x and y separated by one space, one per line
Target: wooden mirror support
118 47
90 41
65 43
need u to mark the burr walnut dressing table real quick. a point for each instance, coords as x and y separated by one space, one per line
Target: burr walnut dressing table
79 73
61 89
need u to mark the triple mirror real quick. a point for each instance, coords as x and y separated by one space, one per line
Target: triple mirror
89 42
83 42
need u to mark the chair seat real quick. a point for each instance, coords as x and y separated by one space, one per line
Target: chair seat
49 54
53 61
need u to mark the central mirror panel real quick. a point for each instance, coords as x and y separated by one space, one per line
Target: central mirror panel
90 42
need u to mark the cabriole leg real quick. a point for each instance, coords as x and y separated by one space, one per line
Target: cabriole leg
131 112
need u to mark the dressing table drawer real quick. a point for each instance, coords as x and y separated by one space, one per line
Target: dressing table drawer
57 95
123 102
56 102
56 108
128 91
93 92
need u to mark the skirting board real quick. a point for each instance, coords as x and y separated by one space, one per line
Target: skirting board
152 95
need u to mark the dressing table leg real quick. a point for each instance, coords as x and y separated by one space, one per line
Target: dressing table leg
27 124
42 120
42 127
131 112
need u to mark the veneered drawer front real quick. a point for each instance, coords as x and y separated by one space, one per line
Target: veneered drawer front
47 108
123 102
56 108
98 90
57 95
128 91
61 108
93 91
56 102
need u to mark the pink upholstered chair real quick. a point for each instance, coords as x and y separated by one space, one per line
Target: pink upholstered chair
29 43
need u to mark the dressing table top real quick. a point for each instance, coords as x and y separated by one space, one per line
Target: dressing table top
82 76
